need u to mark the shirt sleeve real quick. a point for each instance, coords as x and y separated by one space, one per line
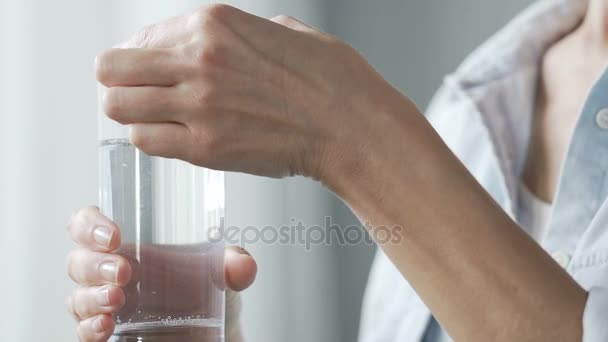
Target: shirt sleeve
595 317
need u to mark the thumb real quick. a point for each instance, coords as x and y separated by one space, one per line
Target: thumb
240 268
232 330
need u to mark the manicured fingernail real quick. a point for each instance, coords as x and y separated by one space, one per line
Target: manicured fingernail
103 236
98 324
109 270
103 297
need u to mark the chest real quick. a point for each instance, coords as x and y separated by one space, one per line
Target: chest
562 91
569 69
564 83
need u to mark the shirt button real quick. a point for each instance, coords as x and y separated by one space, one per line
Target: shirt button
562 258
602 119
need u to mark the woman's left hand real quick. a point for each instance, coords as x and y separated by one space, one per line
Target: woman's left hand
225 89
109 277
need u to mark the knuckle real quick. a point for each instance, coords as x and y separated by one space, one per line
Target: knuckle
207 18
208 53
89 210
78 305
70 307
200 20
113 104
69 225
284 19
70 264
208 49
138 138
80 332
84 304
104 65
80 219
218 11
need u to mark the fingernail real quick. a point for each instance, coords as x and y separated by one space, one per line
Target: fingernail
109 270
103 297
243 251
103 236
98 325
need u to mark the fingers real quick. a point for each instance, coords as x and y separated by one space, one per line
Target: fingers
90 268
167 140
96 329
143 104
90 229
92 306
240 268
139 67
151 57
86 302
180 29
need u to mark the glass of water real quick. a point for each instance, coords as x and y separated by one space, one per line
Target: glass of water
170 214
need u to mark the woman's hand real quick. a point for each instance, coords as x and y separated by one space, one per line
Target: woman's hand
103 277
228 90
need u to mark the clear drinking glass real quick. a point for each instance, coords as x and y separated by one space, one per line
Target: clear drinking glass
170 214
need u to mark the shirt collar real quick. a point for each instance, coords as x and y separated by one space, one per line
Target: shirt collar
500 79
521 43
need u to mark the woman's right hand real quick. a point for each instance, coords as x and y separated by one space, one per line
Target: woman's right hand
102 275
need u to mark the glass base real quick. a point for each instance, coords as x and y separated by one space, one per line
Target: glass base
181 334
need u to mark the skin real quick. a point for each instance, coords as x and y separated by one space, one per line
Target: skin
99 293
569 70
228 90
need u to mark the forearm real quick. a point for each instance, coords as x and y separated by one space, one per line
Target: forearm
301 105
482 277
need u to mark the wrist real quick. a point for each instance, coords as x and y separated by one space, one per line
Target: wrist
356 162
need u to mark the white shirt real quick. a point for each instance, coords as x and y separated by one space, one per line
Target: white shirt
483 112
533 213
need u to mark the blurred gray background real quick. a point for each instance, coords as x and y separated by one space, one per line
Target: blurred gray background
48 152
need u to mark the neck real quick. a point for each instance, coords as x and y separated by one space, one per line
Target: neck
595 24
